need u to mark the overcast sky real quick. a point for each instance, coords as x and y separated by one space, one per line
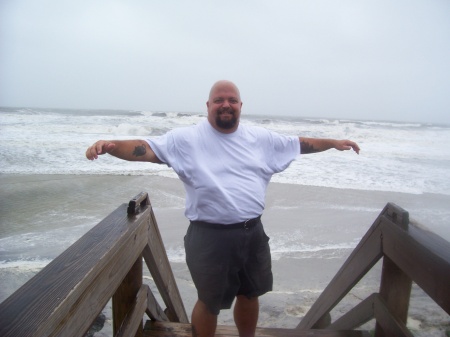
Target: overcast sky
375 59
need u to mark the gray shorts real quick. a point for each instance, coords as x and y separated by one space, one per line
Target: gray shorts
228 262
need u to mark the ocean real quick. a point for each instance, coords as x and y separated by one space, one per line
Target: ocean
395 156
44 174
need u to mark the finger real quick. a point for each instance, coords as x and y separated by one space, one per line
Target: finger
94 153
346 145
94 150
98 148
90 154
101 147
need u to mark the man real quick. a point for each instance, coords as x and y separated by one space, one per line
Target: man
225 168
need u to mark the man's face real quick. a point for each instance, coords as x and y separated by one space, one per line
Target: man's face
224 107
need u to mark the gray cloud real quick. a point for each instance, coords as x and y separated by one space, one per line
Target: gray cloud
348 59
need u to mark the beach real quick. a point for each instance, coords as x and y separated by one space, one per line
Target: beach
312 230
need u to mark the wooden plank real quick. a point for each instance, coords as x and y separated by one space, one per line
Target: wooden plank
124 299
100 291
395 289
174 329
397 215
360 314
390 325
429 240
166 329
158 263
154 311
135 204
362 259
423 257
101 255
132 326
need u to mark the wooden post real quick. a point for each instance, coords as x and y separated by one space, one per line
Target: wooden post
125 297
395 289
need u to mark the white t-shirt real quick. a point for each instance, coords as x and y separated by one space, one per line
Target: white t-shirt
225 175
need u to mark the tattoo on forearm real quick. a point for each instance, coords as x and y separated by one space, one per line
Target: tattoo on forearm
307 147
139 151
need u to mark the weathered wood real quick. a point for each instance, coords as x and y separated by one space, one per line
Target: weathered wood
109 279
154 311
362 259
411 253
158 263
124 298
397 215
387 324
135 204
132 324
395 289
360 314
424 257
68 294
174 329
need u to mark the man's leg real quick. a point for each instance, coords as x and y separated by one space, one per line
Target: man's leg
204 322
246 311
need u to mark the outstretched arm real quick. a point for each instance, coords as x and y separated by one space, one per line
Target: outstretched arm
313 145
132 150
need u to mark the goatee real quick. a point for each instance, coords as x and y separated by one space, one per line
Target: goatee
228 123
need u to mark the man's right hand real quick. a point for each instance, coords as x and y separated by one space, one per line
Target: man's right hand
98 148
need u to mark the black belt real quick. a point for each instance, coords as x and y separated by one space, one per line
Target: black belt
244 224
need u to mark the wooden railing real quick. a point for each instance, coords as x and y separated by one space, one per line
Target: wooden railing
410 254
66 296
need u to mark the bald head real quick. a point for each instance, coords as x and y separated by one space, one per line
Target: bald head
224 106
224 84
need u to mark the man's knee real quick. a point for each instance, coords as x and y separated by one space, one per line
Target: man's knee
204 322
246 305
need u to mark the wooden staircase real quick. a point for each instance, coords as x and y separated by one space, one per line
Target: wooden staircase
66 296
166 329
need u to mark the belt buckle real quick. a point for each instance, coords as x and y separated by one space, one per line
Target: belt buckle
246 224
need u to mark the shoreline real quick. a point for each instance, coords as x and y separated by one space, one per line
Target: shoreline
65 176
